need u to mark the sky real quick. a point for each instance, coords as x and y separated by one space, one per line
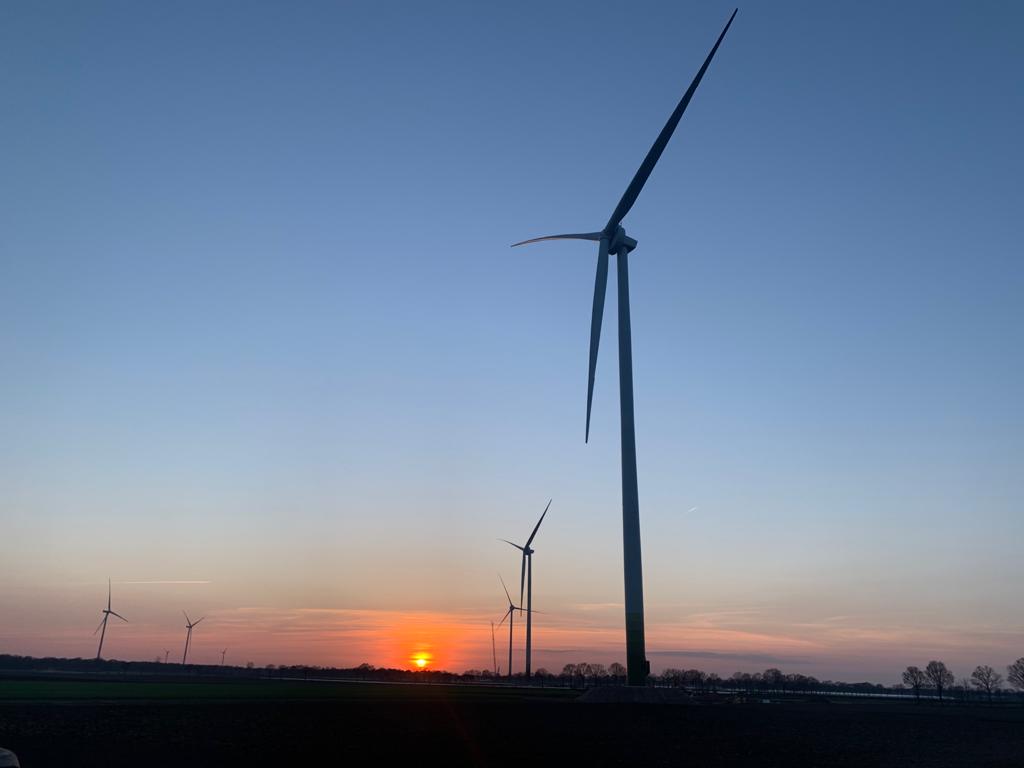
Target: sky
266 355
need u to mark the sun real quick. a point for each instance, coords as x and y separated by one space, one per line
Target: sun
421 659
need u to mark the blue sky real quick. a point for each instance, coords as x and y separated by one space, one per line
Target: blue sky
260 324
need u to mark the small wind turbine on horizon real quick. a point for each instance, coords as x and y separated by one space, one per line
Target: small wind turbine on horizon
526 575
613 240
512 607
107 613
189 624
222 655
167 653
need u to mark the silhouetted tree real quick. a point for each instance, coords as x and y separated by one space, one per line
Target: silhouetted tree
741 680
1015 674
939 676
914 679
672 676
986 679
713 681
616 670
694 678
773 679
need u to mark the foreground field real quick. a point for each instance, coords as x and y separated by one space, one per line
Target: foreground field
281 723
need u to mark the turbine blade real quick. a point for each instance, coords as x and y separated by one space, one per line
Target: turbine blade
581 236
512 543
522 579
187 619
644 171
108 594
122 618
600 286
505 588
99 625
507 613
197 621
529 541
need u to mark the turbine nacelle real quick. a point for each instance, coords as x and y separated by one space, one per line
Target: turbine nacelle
621 242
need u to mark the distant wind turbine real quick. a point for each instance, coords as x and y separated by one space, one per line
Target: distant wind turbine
613 240
222 655
512 607
107 613
189 624
526 575
166 654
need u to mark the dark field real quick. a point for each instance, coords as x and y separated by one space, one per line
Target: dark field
58 723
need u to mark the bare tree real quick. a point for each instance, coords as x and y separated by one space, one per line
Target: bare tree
774 679
939 676
694 679
713 681
616 670
1015 674
914 678
672 676
986 679
741 680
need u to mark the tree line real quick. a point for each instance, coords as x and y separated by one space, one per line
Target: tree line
937 677
934 678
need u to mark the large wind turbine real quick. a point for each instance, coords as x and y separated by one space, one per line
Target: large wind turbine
512 608
613 240
107 613
527 575
188 637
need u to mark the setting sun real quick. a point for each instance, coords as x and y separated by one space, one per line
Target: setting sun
421 659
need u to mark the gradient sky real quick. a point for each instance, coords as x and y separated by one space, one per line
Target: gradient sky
261 329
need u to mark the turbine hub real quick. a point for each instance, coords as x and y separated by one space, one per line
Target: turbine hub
621 242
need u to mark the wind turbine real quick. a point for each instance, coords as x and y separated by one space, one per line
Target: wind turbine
508 615
188 638
107 613
222 655
613 240
166 654
527 575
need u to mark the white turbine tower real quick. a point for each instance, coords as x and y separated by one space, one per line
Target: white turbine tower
526 574
107 613
188 637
